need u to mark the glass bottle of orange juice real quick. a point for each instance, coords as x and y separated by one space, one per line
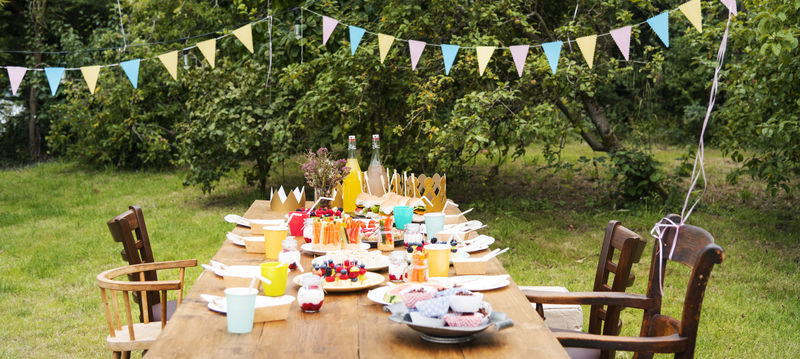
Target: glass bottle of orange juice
351 183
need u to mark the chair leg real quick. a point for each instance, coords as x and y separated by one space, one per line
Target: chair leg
115 355
126 355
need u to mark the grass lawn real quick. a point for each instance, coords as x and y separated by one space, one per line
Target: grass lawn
54 240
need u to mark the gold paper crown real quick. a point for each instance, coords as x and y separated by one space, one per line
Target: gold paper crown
290 204
433 188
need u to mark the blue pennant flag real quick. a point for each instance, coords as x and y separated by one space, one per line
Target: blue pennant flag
356 33
660 25
449 53
131 69
54 75
553 52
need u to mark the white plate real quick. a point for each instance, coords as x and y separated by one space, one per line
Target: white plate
382 263
308 248
376 295
217 304
479 243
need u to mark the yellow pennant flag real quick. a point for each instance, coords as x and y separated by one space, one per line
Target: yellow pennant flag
384 44
245 35
692 11
484 54
90 74
209 50
170 61
587 45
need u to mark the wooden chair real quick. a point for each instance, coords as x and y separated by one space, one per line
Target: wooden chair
130 229
603 319
659 333
136 336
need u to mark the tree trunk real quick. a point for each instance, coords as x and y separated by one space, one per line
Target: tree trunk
602 127
33 130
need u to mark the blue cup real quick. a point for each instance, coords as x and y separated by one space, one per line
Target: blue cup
240 305
402 216
434 223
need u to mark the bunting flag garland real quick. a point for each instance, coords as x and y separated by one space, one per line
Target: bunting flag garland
731 5
692 12
622 37
245 36
587 45
449 53
520 54
54 75
209 50
384 44
415 48
356 33
170 61
15 75
328 25
131 69
484 55
552 50
660 25
90 74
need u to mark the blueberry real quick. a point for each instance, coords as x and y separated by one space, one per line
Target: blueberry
362 266
410 249
453 242
354 279
344 271
454 250
434 240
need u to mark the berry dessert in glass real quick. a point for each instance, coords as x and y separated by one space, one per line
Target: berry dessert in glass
310 296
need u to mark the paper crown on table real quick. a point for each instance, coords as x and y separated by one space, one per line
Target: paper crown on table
433 188
281 202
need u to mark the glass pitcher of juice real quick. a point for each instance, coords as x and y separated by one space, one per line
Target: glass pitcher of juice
352 183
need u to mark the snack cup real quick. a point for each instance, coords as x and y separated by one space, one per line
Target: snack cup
420 319
470 266
412 296
466 303
269 309
464 320
241 276
240 309
297 221
434 307
434 223
254 244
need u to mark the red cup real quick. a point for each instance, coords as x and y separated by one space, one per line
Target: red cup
296 222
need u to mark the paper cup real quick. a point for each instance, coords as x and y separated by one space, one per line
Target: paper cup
438 259
434 223
240 303
277 273
273 238
402 216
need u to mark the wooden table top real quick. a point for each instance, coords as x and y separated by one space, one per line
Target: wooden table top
348 326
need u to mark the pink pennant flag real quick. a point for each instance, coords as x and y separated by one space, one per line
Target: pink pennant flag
519 53
622 37
328 25
15 75
415 47
731 5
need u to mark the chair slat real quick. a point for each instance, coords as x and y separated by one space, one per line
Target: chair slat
111 330
131 334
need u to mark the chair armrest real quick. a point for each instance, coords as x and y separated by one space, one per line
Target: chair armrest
663 344
589 298
106 279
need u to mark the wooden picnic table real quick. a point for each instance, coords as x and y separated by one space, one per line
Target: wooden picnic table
349 325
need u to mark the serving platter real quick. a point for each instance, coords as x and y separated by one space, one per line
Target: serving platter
445 334
309 248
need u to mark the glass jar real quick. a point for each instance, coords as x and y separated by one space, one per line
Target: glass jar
310 296
397 265
419 268
289 254
412 235
308 230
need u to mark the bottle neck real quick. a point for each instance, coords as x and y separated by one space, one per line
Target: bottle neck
351 152
376 155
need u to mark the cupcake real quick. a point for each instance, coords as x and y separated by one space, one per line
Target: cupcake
412 296
450 291
466 302
463 320
435 307
420 319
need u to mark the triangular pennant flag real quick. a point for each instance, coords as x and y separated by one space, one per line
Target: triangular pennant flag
449 53
54 75
170 61
245 36
622 37
131 69
356 33
209 50
692 12
660 25
553 52
328 24
484 55
587 45
415 48
15 75
90 74
519 53
384 44
731 5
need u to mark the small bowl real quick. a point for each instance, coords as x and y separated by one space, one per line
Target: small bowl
240 276
419 319
254 245
470 266
272 308
466 303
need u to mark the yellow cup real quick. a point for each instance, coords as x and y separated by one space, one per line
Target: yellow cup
273 237
277 273
438 259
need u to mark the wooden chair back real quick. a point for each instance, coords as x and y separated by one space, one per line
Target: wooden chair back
136 336
130 229
695 248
